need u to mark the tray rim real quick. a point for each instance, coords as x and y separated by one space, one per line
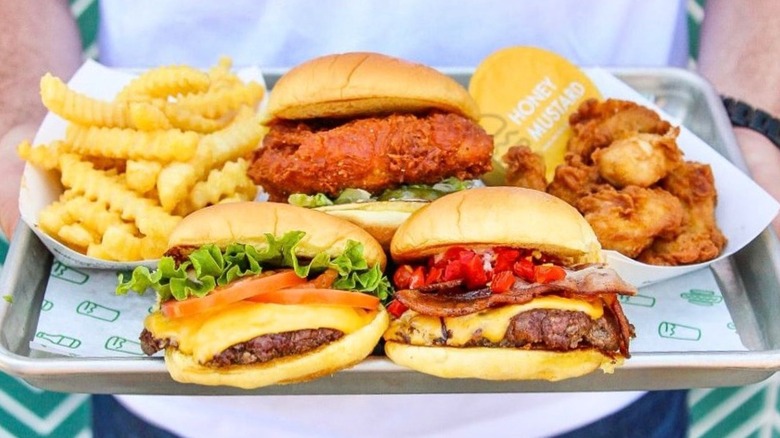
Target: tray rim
755 365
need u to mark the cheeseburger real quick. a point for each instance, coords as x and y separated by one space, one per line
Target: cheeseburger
369 138
254 294
504 283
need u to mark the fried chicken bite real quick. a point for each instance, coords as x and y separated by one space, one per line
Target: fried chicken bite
525 168
574 179
640 160
700 238
596 124
630 219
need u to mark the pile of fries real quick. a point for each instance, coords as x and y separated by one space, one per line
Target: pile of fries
169 143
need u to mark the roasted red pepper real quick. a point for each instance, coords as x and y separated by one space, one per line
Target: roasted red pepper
549 273
418 278
458 263
524 268
402 277
396 308
502 282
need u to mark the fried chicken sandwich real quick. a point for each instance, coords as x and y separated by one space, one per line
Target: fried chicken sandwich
504 283
252 294
370 138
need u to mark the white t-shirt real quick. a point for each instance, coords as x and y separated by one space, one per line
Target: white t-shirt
436 32
442 33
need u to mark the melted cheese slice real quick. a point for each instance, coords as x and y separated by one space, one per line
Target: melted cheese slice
206 334
413 328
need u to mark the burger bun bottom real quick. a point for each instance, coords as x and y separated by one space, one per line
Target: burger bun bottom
500 363
379 218
338 355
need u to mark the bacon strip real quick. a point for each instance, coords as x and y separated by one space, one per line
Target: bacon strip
587 281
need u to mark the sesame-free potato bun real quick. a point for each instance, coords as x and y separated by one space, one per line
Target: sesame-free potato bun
504 283
369 138
252 294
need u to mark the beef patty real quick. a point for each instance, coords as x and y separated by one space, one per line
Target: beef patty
257 350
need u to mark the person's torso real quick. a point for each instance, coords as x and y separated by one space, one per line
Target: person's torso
435 32
442 33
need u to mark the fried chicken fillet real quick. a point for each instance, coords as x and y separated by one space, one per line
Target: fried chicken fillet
372 153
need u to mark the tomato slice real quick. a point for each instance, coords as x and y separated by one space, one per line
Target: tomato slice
317 296
235 291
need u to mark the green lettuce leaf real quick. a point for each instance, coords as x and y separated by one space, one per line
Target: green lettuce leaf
309 201
209 267
417 192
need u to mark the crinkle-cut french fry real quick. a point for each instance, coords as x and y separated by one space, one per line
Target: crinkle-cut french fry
76 236
79 108
214 150
231 181
98 251
173 184
186 120
146 116
153 247
53 217
113 166
149 217
45 156
167 81
221 74
165 146
121 242
236 140
216 103
141 176
93 215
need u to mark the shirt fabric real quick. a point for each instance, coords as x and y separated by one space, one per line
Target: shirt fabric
440 33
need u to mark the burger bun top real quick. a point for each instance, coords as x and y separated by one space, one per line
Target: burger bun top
498 216
364 83
249 222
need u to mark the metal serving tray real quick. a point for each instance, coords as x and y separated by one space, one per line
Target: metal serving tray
749 281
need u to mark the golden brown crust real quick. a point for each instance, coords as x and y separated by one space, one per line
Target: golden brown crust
499 363
248 222
338 355
363 83
497 216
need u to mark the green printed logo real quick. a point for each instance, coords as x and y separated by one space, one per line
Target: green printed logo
123 345
61 340
701 297
637 300
66 273
95 310
46 305
731 326
671 330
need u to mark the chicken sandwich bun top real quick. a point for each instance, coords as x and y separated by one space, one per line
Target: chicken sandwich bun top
254 294
504 283
370 138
